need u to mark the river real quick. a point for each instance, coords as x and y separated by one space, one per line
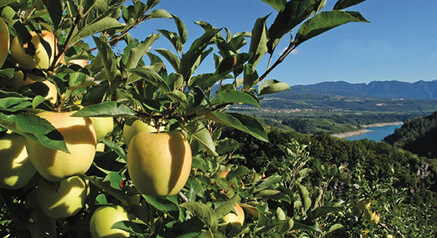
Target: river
375 133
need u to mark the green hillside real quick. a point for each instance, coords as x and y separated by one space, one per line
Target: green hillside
417 135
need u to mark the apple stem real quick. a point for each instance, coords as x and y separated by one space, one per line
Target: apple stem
183 197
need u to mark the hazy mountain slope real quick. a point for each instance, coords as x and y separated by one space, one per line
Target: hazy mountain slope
381 89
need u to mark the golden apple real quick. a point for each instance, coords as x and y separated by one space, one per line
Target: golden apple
104 218
103 126
81 62
133 127
236 217
62 199
4 41
40 58
100 147
159 164
80 138
16 170
19 81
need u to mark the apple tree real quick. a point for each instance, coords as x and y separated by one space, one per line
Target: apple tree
63 81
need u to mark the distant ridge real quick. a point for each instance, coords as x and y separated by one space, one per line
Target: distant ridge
374 89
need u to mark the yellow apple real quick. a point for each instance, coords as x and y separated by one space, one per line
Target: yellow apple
16 170
100 147
103 126
81 62
80 138
40 58
104 218
236 217
4 41
19 81
62 199
52 94
132 127
159 164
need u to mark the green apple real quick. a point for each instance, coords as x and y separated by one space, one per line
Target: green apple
16 170
159 164
62 199
236 217
4 41
132 127
103 126
104 218
80 138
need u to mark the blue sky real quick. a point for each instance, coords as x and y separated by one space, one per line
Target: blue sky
399 43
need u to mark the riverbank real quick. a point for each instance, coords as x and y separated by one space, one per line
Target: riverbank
362 131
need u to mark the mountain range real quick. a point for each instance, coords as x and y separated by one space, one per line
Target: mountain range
374 89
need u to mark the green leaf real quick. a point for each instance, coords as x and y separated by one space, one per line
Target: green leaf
174 38
241 122
116 148
108 58
182 29
152 3
171 58
311 228
7 73
204 212
54 7
323 211
240 171
342 4
229 96
258 44
250 76
105 109
304 197
269 86
152 77
34 128
202 135
104 24
178 97
268 182
279 5
37 101
13 104
206 81
7 2
161 203
188 61
137 53
323 22
227 206
293 14
227 145
114 180
160 13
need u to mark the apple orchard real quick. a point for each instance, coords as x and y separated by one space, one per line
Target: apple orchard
96 143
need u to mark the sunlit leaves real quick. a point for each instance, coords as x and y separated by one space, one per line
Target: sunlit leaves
272 86
278 5
105 109
342 4
323 22
258 44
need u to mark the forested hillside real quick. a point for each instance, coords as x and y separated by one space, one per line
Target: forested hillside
401 186
417 135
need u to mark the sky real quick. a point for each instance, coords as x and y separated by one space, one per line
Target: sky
399 43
